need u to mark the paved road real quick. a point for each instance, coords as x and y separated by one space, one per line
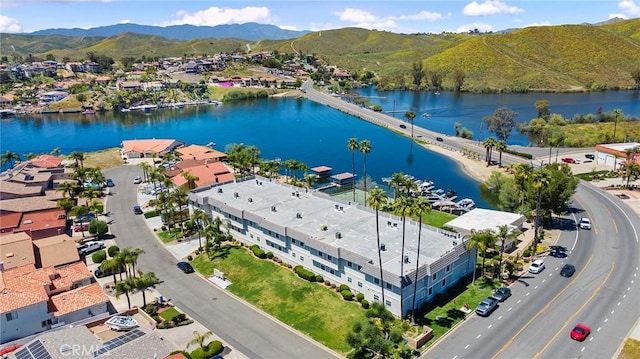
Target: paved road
243 327
535 322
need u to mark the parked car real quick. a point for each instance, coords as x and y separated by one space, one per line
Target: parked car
137 210
90 247
580 332
501 294
403 126
100 274
109 182
487 306
79 227
568 160
439 139
137 180
537 266
585 223
590 156
567 270
185 267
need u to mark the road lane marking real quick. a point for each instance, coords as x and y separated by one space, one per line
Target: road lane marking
508 343
613 311
606 320
536 287
509 309
599 329
615 225
618 304
479 335
527 294
489 327
593 295
519 300
624 213
500 317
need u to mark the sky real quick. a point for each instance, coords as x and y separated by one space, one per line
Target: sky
424 16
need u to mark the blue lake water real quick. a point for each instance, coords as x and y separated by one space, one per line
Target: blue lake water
289 128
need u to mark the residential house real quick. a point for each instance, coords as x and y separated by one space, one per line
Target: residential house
52 96
75 66
6 100
35 299
338 240
129 85
16 250
102 80
55 251
479 219
37 224
615 153
46 161
207 173
91 66
198 152
146 148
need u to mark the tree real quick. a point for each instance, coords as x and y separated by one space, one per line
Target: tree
420 206
471 243
146 169
144 282
458 79
81 98
353 145
98 228
125 287
417 73
630 171
483 240
504 234
635 74
9 157
365 148
68 188
66 204
79 157
501 123
617 117
199 339
410 116
540 180
377 201
397 182
542 107
191 179
199 218
489 143
55 152
112 266
501 146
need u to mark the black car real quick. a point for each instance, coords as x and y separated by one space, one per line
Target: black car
100 274
502 294
439 139
567 270
403 126
137 210
590 156
185 267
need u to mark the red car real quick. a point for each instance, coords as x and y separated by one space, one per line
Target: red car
9 349
568 160
580 332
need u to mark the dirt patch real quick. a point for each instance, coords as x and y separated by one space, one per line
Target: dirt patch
104 159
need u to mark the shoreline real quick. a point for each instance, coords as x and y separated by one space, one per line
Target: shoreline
476 169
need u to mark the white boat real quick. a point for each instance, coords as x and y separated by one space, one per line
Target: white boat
121 322
211 144
466 203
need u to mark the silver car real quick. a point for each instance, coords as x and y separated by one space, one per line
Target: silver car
487 306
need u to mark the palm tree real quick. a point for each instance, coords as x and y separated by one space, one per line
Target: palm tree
471 244
199 338
397 182
365 148
79 157
146 169
112 266
66 204
377 201
125 287
132 259
353 145
616 118
420 206
502 146
9 157
630 170
191 179
55 152
489 143
288 166
402 207
68 188
504 234
540 180
484 240
410 115
199 218
144 282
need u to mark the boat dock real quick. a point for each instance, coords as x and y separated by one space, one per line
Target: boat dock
441 200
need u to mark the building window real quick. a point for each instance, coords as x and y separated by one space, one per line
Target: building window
329 257
302 258
444 282
293 254
388 303
434 276
388 285
251 235
448 267
430 291
11 316
332 271
359 284
349 279
376 298
376 280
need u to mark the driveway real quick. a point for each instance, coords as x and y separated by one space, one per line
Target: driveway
245 328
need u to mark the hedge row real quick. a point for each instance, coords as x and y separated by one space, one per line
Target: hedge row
213 348
521 154
258 252
304 273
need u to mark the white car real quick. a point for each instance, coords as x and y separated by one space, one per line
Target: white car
585 223
137 180
536 266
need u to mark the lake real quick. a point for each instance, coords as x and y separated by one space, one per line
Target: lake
288 128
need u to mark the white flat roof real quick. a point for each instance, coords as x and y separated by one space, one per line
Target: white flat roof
480 219
356 224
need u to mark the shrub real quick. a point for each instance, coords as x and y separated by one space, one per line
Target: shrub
113 250
346 294
151 214
179 318
304 273
360 297
187 355
327 283
319 278
163 228
151 309
213 348
344 287
156 318
189 257
99 256
365 304
526 252
258 252
269 255
333 286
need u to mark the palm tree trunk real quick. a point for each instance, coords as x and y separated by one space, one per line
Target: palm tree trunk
379 255
128 299
353 169
144 298
415 279
365 180
500 263
114 278
404 221
536 223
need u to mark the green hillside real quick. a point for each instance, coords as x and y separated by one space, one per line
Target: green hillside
559 58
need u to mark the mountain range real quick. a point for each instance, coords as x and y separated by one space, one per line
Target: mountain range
248 31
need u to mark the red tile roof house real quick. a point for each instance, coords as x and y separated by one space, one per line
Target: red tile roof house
31 299
37 224
146 148
207 174
197 152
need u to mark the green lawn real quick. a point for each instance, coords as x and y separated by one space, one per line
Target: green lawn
168 314
310 308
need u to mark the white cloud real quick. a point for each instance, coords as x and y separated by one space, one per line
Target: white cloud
619 16
288 27
217 16
481 27
546 23
355 15
365 19
630 7
8 24
125 21
422 15
489 7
